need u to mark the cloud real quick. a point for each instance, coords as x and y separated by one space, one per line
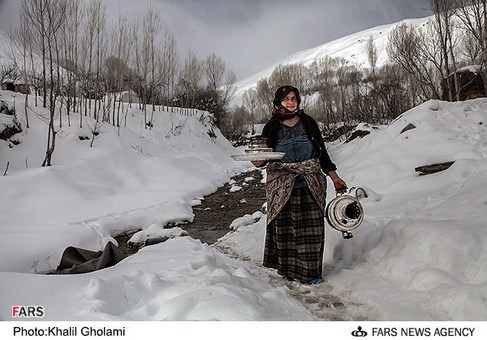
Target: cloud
251 35
9 14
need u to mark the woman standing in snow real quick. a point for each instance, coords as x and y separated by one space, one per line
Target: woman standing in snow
296 190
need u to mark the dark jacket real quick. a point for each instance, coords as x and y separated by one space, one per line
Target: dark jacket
271 132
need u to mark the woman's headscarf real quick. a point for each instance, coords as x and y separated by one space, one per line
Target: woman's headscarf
280 111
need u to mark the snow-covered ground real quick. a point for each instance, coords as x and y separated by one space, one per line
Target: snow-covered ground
420 254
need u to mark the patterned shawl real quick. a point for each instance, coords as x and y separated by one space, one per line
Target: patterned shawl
280 181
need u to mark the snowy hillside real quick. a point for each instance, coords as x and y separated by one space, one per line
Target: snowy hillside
352 47
127 175
419 255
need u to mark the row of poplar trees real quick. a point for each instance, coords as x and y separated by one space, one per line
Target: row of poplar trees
74 61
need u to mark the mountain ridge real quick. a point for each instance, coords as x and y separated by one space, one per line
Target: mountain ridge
351 47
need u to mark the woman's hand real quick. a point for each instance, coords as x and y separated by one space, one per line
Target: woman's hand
340 185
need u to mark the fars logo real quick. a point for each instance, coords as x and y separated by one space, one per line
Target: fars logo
27 311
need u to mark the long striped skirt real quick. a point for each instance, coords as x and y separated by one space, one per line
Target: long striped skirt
295 239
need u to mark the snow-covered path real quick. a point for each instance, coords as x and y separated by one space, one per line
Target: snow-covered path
319 299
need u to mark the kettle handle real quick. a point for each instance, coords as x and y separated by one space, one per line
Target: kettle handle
358 192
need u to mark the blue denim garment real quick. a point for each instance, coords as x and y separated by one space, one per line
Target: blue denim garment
294 142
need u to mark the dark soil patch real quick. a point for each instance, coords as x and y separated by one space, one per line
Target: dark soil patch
123 245
218 210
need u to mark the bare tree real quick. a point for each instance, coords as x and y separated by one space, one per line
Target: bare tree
22 44
323 72
100 48
291 74
168 68
473 14
190 77
152 30
372 57
343 83
220 82
88 52
443 11
411 49
390 94
470 49
214 67
249 104
70 42
228 88
34 13
147 60
117 72
46 18
265 95
92 56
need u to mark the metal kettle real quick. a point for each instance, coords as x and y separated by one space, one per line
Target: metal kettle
345 212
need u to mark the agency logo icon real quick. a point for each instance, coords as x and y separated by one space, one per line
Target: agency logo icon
359 333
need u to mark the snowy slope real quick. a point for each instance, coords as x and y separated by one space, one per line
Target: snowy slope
92 189
132 178
421 253
352 48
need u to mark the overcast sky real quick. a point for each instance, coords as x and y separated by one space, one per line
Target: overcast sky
253 34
